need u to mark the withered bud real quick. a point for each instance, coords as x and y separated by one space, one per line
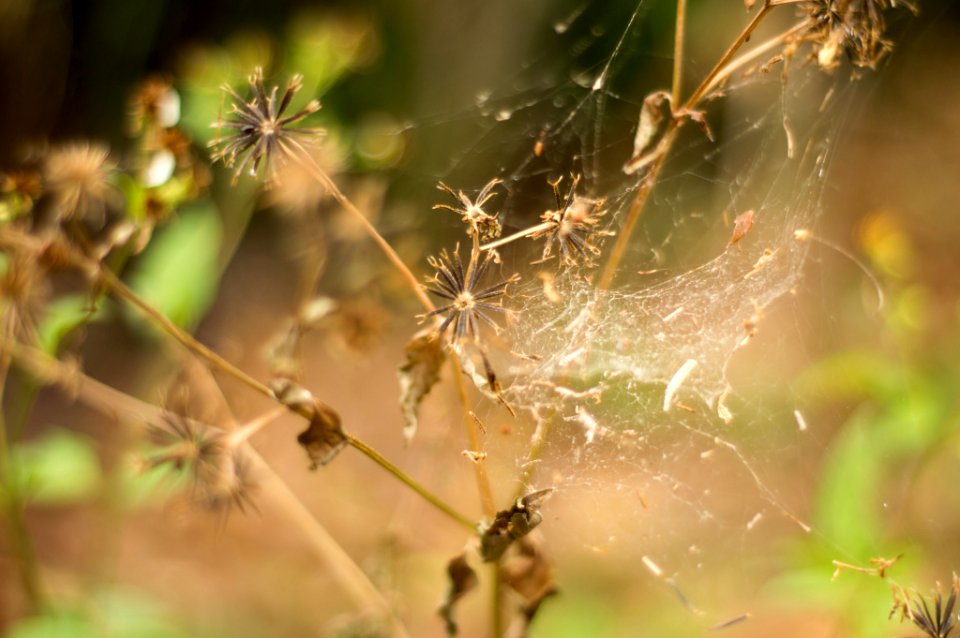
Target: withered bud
324 437
511 525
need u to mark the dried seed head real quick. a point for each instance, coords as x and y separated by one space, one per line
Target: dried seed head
486 225
572 226
259 132
855 28
468 304
228 485
23 287
938 622
78 178
19 189
155 104
220 474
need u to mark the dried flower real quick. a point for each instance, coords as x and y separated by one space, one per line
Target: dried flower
155 104
571 226
220 473
19 189
487 226
467 303
259 131
853 27
23 288
78 178
936 623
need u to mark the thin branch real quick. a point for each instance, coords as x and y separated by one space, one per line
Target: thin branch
653 173
678 39
526 232
741 39
438 503
188 341
303 158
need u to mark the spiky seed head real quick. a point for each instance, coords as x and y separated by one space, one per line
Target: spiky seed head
259 134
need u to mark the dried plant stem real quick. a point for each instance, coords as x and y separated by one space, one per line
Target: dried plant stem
245 431
176 332
526 232
476 445
306 161
678 50
740 40
754 53
14 506
434 500
188 341
118 405
636 208
300 155
345 570
653 173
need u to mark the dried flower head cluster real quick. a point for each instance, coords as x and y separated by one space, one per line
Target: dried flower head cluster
219 473
77 176
155 104
572 226
19 189
936 622
260 133
468 304
855 28
486 225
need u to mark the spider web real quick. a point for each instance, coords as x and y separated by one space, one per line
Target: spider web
629 391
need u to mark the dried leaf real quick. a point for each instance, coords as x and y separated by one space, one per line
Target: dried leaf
697 117
462 580
649 130
486 382
324 438
530 574
511 525
741 226
418 375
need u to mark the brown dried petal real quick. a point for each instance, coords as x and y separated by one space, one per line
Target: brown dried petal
462 580
425 358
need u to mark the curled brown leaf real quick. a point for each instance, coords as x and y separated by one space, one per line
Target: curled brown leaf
425 358
462 580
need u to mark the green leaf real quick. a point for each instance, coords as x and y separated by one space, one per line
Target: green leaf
847 503
851 375
119 612
61 317
178 272
126 613
54 626
62 467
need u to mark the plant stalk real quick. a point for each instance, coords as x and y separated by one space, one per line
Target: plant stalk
678 39
653 173
300 155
